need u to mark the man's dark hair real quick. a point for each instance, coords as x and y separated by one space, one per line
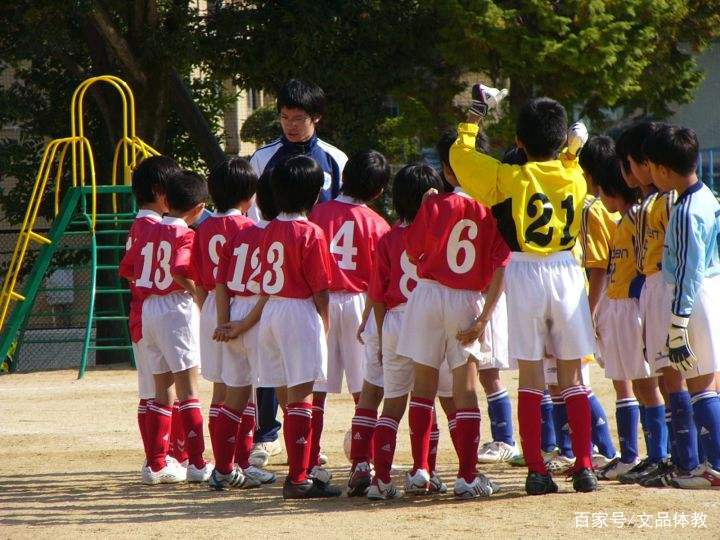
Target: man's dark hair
264 198
542 128
515 156
231 182
296 184
185 190
608 176
674 147
595 153
150 177
409 185
630 142
446 140
297 94
365 175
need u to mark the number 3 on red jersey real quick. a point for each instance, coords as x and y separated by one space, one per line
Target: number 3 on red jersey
274 278
162 277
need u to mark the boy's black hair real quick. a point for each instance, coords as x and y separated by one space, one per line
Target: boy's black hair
515 156
296 184
264 198
297 94
185 190
231 182
542 127
630 142
608 176
446 140
674 147
150 177
409 185
595 153
365 175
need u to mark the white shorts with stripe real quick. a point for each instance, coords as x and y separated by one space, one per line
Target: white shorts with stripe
620 339
210 350
146 381
550 370
655 311
373 368
239 356
703 330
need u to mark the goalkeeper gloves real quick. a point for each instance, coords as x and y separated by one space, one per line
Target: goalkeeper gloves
486 99
681 355
576 138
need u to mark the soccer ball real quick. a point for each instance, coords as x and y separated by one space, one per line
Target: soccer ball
347 443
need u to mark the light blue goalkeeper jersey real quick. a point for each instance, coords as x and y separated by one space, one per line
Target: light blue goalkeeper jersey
691 246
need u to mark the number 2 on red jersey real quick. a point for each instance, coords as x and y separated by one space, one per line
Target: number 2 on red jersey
240 253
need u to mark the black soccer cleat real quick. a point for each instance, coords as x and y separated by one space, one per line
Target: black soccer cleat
644 470
663 476
539 484
309 489
584 481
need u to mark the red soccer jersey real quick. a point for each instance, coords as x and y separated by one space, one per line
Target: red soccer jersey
153 260
295 261
454 240
210 237
144 221
394 277
353 231
239 267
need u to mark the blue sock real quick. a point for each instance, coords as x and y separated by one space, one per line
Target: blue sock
644 426
500 413
547 427
562 428
600 427
657 433
684 430
706 411
672 446
701 445
627 414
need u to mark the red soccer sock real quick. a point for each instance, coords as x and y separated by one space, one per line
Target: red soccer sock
363 425
245 437
434 441
213 414
142 415
158 421
178 441
420 420
468 439
193 422
452 424
297 439
318 417
579 419
384 440
530 428
224 438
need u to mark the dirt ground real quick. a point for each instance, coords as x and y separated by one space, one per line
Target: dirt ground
71 457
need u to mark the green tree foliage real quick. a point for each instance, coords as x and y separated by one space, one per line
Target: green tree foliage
262 126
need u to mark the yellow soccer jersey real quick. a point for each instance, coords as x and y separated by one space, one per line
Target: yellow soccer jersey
653 243
538 206
622 269
641 221
596 232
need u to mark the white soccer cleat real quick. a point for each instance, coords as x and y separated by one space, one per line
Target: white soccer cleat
258 475
380 491
481 486
170 474
418 483
496 452
195 475
223 482
599 460
262 452
437 485
615 468
320 474
560 463
701 477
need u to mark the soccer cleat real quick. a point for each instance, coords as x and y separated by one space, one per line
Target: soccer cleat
584 480
701 477
262 452
663 477
359 481
560 464
418 483
481 486
615 468
380 491
538 484
496 452
599 460
309 489
644 470
170 474
517 461
195 475
222 482
437 486
321 474
322 459
259 475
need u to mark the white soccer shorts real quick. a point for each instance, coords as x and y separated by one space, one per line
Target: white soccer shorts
210 350
171 328
550 369
239 357
373 369
292 348
548 307
346 355
703 331
620 339
498 357
399 371
146 381
655 311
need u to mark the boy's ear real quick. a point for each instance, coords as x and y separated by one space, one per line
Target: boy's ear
316 119
519 143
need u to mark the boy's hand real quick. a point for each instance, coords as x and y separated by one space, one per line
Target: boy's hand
476 331
577 137
231 330
486 99
360 331
431 191
678 343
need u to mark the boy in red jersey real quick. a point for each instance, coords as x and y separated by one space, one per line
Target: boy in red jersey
159 264
295 270
231 185
353 231
460 259
238 300
148 184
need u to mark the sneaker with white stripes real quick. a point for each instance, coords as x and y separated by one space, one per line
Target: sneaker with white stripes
222 482
380 491
560 463
481 486
418 483
701 477
259 475
195 474
496 452
321 474
437 486
170 474
615 468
